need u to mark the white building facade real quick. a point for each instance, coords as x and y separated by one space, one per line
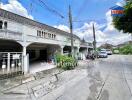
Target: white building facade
23 40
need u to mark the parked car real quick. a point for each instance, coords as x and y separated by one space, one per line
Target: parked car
109 52
102 54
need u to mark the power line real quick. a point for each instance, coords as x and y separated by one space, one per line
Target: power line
81 9
50 9
88 20
44 5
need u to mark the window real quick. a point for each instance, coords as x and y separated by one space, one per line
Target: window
5 25
40 33
37 33
50 36
54 36
1 24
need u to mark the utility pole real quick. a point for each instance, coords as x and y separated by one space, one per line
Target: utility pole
31 8
0 4
94 37
71 31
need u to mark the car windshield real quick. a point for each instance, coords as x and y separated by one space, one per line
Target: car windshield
108 50
102 52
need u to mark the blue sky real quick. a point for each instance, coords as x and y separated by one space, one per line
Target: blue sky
86 11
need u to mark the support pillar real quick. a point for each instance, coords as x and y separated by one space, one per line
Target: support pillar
8 62
78 49
62 49
25 61
76 52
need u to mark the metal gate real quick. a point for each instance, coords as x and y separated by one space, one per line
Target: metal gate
11 64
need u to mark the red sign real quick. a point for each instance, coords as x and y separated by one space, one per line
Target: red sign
117 11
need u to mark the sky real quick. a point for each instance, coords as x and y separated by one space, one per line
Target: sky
84 14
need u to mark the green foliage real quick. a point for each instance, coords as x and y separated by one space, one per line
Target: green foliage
98 49
127 49
65 62
124 23
115 50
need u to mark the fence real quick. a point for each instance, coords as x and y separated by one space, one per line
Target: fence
11 63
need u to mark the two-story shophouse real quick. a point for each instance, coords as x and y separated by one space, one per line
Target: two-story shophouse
20 37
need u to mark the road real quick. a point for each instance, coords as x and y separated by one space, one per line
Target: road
107 79
103 79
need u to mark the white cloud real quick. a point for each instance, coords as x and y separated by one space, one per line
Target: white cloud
108 35
86 32
113 35
122 3
16 7
62 27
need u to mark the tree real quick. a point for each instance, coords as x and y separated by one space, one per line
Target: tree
127 49
124 23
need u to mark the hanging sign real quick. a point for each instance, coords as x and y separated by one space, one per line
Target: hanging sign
117 11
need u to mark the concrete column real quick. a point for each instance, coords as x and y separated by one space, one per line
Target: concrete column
8 63
62 49
24 50
3 25
78 49
78 52
25 61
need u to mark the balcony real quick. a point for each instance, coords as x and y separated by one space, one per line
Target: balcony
86 44
7 34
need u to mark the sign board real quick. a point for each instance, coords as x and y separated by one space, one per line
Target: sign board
16 56
117 11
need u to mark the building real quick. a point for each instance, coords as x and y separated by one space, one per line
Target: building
107 46
124 44
23 41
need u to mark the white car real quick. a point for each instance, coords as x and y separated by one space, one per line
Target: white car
109 52
102 54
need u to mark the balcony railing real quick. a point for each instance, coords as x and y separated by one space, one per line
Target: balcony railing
87 44
7 34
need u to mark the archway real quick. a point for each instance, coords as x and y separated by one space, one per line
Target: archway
67 50
10 46
41 56
10 57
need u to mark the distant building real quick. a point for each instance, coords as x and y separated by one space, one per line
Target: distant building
106 46
20 37
123 44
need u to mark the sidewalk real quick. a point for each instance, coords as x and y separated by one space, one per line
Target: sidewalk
45 82
40 66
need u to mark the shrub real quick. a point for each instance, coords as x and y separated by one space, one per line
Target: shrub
127 49
65 62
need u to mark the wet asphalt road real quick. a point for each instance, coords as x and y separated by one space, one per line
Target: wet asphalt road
118 78
107 79
114 75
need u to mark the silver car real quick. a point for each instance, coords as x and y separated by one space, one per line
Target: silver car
109 52
102 54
